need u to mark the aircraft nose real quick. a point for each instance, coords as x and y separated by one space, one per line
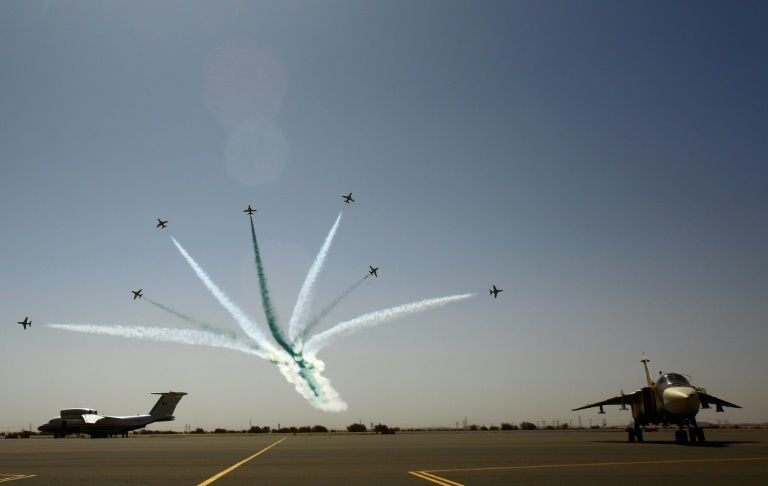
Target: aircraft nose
681 400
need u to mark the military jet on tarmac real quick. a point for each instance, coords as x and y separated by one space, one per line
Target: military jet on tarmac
373 271
250 210
137 294
672 400
161 223
26 322
348 198
88 421
494 291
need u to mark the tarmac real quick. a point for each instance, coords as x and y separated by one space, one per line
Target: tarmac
445 458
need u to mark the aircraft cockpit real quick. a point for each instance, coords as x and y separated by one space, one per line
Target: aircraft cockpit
672 379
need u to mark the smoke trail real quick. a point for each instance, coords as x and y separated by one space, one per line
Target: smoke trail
165 334
323 339
202 324
316 320
245 322
266 302
295 327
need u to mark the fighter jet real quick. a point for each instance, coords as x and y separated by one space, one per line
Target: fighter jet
494 291
250 210
161 223
88 421
137 294
26 322
672 400
373 271
348 198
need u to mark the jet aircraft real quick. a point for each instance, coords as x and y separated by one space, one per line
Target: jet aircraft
161 223
88 421
250 210
137 294
348 198
26 322
494 291
672 400
373 271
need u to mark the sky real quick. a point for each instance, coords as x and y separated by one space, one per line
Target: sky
602 162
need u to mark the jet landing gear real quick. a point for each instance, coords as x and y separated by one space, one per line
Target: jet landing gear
691 435
635 434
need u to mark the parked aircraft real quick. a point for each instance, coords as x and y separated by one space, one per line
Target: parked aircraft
88 421
672 400
494 291
161 223
26 322
348 198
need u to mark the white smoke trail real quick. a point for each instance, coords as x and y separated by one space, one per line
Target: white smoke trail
298 318
320 394
168 335
323 339
242 319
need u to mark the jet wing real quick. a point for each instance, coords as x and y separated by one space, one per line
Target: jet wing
617 400
707 400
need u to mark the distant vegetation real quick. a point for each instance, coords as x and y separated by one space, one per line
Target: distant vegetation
380 429
356 428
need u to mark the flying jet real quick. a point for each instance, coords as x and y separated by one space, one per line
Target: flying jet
250 210
672 400
26 322
137 294
494 291
348 198
88 421
373 271
161 223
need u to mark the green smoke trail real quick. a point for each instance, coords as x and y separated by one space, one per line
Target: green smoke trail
316 320
202 324
266 302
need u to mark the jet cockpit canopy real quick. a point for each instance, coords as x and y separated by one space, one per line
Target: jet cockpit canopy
672 379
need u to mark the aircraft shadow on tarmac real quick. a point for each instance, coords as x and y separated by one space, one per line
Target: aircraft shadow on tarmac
709 443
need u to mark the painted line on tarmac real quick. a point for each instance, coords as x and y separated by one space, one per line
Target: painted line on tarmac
595 464
434 479
15 477
232 468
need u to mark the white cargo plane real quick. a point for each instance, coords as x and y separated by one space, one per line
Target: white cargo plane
88 421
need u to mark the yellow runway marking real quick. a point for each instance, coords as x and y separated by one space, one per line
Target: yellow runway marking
232 468
14 477
434 479
427 474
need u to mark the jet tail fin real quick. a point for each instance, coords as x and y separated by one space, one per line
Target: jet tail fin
166 404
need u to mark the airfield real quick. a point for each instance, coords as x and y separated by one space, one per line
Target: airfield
444 458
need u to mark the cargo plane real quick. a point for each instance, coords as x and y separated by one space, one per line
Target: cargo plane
672 400
88 421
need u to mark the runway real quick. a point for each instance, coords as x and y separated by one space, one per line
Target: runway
443 458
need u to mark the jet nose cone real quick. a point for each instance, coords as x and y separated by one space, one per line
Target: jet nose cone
681 400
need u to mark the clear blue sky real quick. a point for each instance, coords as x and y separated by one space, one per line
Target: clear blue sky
602 162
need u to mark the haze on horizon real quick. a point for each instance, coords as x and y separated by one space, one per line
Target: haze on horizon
603 163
